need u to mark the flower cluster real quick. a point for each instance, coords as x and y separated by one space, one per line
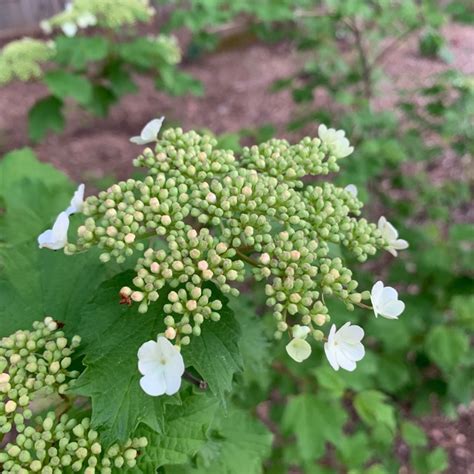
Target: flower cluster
22 59
222 218
104 13
32 362
67 445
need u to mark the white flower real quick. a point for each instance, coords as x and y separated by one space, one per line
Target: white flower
161 365
351 188
86 19
46 27
336 140
385 301
390 234
77 201
344 348
69 28
298 349
149 133
55 238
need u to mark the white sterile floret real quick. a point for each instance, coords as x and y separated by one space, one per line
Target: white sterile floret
343 348
390 234
149 133
46 27
298 349
385 301
351 188
336 140
161 365
55 238
86 19
69 29
77 201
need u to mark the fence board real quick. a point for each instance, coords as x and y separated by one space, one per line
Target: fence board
26 13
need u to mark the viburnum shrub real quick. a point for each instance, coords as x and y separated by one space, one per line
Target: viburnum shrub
221 219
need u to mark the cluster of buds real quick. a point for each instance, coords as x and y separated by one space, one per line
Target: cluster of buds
23 59
279 159
32 362
220 216
67 445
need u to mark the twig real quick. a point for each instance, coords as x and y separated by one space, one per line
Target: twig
201 384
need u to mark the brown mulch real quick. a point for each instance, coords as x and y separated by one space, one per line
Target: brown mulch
237 95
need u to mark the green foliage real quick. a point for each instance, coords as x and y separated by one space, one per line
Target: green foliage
215 354
313 421
46 115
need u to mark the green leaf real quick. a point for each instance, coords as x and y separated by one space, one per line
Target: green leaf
120 79
39 282
330 380
413 435
447 346
178 83
244 444
313 421
45 115
63 84
101 101
371 407
78 51
31 193
186 428
112 334
354 451
254 345
434 462
215 353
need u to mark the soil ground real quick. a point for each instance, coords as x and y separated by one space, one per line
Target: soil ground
237 85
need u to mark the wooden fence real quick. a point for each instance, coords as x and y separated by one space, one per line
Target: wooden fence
24 14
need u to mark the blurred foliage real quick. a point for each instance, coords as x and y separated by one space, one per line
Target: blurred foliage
93 66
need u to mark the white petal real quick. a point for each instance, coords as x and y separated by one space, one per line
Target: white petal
69 28
351 334
322 131
376 291
381 223
400 244
298 349
388 294
167 349
55 238
351 188
344 362
153 384
149 358
138 140
390 232
77 201
300 332
352 351
45 238
392 309
332 334
151 130
331 356
392 251
173 381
